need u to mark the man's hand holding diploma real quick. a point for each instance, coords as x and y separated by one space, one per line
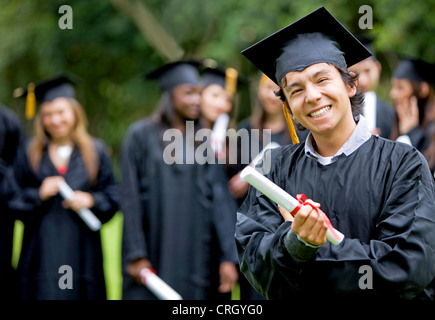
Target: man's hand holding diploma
308 223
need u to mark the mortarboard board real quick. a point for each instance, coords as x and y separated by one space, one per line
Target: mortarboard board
58 86
175 73
367 42
315 38
415 70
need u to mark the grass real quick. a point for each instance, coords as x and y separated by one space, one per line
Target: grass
111 238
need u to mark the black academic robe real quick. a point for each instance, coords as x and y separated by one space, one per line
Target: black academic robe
381 197
7 274
421 138
12 137
170 217
385 118
55 237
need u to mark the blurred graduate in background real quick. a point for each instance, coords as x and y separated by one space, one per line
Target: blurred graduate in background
380 115
12 137
54 234
413 94
167 197
219 86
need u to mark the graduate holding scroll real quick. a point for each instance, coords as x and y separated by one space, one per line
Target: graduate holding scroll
219 86
168 206
378 193
54 233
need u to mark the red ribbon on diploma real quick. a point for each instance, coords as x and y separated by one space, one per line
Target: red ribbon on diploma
302 202
144 277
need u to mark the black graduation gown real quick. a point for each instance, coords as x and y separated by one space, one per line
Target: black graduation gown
7 274
54 236
385 118
168 216
381 197
421 138
223 247
12 137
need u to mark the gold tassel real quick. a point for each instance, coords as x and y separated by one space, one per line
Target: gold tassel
231 75
290 125
30 101
264 79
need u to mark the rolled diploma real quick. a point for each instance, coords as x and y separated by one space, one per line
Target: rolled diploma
278 195
157 286
219 131
85 214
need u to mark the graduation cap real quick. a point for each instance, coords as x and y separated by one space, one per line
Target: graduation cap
58 86
415 70
367 42
176 73
228 78
315 38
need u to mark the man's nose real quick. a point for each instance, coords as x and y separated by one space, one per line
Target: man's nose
312 94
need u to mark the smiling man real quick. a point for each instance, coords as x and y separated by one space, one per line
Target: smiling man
377 192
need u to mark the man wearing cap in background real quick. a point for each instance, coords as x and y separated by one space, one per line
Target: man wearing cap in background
380 116
168 207
377 192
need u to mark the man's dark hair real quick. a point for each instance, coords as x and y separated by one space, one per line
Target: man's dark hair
356 102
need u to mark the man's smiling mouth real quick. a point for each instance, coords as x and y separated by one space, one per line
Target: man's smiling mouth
320 112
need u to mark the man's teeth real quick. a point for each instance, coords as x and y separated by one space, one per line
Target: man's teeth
320 112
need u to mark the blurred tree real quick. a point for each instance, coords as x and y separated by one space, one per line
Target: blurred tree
150 27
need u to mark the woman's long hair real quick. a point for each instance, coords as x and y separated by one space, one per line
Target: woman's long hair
259 115
79 136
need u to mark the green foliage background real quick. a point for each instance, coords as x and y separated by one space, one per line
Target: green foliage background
107 50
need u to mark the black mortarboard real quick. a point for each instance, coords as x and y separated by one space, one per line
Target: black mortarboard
213 76
315 38
368 43
213 73
58 86
415 70
175 73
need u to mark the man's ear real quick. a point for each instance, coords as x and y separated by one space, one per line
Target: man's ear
352 89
